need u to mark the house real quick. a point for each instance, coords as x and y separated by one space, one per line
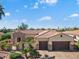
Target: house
45 39
53 40
4 55
20 35
73 33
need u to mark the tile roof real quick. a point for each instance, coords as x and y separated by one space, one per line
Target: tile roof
48 34
29 31
73 32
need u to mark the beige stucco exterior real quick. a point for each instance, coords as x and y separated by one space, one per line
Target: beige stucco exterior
56 38
16 35
50 39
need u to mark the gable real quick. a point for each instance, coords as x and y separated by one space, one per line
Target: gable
18 34
61 37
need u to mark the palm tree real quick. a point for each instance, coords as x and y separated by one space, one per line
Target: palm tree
1 11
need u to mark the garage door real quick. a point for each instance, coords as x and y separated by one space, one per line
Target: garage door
43 45
60 45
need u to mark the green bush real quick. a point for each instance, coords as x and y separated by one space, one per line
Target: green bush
14 55
77 46
5 36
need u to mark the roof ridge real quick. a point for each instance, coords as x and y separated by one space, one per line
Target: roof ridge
42 33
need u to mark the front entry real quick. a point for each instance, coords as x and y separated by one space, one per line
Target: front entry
60 45
43 45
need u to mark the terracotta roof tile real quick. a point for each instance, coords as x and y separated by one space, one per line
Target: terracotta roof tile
73 32
29 31
48 34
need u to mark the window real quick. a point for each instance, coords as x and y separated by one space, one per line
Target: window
18 39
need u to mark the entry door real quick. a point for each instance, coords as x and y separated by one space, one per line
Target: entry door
43 45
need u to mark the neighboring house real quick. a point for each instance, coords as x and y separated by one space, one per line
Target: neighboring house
4 55
46 39
74 34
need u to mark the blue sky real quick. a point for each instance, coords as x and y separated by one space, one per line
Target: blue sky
40 13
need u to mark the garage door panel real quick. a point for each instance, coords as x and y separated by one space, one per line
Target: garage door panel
43 45
60 45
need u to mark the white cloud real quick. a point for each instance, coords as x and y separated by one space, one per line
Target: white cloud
25 6
74 15
7 14
50 2
36 5
78 2
40 2
45 18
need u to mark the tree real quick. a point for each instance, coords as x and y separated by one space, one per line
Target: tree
23 26
32 52
4 30
1 11
25 51
29 40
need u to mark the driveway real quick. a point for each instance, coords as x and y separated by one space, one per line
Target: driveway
61 55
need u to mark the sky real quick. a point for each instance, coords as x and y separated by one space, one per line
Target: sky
40 13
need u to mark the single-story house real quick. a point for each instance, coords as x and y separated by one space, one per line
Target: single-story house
54 41
45 39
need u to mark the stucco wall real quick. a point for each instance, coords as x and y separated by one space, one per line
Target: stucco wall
55 38
59 38
16 35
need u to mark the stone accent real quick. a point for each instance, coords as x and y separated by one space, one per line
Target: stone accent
37 45
50 45
71 46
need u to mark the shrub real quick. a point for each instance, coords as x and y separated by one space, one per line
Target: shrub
14 55
5 36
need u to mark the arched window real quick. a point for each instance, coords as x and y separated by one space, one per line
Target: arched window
18 39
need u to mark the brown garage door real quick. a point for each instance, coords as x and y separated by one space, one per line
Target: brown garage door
43 45
60 45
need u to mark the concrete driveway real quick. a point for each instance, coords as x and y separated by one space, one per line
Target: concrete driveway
61 55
